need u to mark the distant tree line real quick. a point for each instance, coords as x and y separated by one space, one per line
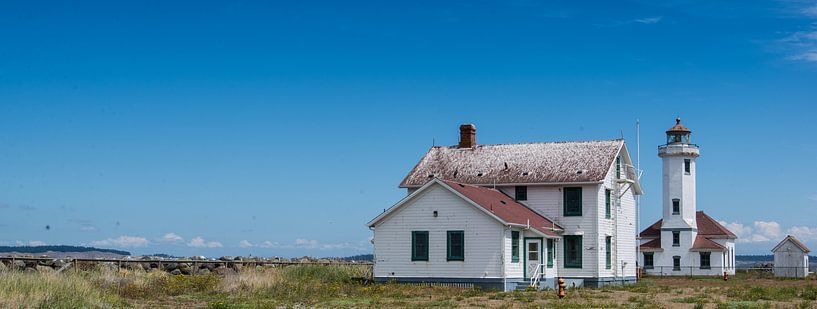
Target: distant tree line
58 248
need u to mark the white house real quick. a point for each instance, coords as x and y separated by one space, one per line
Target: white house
685 241
505 216
791 258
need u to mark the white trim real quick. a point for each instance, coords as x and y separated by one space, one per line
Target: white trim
399 203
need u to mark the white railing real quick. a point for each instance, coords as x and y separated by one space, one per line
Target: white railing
537 275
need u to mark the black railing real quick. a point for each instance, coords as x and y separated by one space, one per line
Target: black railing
718 271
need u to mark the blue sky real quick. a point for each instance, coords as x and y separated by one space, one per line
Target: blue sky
281 129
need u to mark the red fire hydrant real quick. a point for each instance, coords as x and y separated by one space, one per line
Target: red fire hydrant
561 292
725 276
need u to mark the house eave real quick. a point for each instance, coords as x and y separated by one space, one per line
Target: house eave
520 184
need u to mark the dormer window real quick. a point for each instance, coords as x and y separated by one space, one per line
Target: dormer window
676 206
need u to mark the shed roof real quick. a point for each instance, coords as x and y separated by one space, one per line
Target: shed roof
793 240
551 162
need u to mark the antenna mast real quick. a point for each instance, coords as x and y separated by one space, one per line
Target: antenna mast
638 197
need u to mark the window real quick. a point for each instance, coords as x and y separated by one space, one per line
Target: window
687 166
573 251
419 245
572 201
618 167
648 260
676 239
705 260
676 206
676 263
456 246
521 193
551 253
607 202
533 252
608 251
514 246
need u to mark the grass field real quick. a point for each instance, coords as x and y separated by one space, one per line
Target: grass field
322 286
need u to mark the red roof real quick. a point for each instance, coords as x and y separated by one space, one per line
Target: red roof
706 227
504 207
702 243
651 245
711 228
653 230
678 127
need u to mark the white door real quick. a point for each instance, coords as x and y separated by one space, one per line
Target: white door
533 257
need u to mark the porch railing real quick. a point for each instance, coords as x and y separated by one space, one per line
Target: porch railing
538 273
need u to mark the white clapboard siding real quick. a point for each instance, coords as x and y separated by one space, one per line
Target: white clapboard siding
483 238
513 269
790 261
548 201
621 225
585 225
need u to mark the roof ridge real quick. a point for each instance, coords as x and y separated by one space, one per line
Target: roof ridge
536 143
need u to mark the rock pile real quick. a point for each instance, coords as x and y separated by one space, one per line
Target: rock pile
195 265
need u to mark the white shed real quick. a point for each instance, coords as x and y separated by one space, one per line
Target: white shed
791 258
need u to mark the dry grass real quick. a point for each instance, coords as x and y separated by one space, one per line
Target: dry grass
49 290
322 286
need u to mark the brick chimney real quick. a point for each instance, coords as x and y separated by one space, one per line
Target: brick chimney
468 136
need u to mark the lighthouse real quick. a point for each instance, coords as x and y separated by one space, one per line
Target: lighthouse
684 241
678 157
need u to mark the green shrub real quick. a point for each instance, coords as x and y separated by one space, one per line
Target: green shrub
809 293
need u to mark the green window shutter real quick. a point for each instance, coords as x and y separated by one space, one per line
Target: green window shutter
419 245
551 253
607 201
456 246
608 244
573 251
572 201
618 167
514 246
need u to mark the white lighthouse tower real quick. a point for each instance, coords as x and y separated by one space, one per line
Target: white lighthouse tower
685 241
678 156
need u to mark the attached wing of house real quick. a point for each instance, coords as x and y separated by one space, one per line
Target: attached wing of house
492 202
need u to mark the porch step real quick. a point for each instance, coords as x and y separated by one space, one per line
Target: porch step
522 285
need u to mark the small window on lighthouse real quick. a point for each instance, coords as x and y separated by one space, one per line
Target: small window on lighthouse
687 166
676 206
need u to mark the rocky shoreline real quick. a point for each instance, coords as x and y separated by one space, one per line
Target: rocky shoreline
197 265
